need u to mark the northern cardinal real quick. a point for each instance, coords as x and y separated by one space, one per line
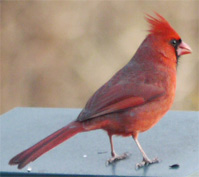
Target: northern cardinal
132 101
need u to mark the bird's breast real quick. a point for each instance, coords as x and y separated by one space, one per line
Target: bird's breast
146 116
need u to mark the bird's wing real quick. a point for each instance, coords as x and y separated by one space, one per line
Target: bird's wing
118 94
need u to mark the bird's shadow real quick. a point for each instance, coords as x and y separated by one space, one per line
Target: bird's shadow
144 169
113 167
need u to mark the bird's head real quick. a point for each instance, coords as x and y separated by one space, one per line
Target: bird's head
165 39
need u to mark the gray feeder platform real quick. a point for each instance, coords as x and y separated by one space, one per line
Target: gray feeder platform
174 140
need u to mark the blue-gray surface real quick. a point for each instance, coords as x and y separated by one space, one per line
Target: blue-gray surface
175 140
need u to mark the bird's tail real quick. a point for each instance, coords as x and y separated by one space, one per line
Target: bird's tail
32 153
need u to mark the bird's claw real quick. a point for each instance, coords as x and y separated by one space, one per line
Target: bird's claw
146 162
117 158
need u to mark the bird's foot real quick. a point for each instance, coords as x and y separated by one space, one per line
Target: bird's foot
146 162
117 158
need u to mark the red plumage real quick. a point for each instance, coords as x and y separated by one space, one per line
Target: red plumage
132 101
161 26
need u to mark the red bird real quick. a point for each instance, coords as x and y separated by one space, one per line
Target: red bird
132 101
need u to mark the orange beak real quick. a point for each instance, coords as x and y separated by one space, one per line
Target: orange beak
183 49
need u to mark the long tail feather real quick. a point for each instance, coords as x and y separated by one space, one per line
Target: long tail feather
32 153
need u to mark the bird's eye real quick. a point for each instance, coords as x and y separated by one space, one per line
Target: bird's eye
174 42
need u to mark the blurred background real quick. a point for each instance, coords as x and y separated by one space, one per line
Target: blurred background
58 53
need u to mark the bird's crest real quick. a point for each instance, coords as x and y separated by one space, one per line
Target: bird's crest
160 25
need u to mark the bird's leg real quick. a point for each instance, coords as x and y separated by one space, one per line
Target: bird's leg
115 157
146 160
